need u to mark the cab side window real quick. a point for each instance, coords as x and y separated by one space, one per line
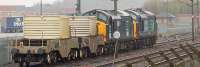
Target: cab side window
102 17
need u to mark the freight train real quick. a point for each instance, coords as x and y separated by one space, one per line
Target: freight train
53 39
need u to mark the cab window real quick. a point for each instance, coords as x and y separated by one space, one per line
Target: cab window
102 17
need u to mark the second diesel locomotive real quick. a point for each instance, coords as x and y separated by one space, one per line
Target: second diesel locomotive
146 27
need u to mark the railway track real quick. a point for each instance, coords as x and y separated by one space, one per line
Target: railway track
163 52
107 59
160 57
98 61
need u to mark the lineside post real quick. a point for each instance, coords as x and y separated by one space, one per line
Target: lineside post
116 36
192 20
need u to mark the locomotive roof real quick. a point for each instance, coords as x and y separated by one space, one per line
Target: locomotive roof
141 12
109 12
119 12
133 12
123 12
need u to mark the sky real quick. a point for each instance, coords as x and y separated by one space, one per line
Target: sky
27 3
108 4
86 5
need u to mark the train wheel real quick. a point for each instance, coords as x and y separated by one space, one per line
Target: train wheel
143 43
100 50
54 57
134 43
150 42
106 49
129 45
74 54
21 64
139 44
84 52
123 46
77 54
126 44
27 64
111 48
48 59
14 58
71 55
81 53
146 43
44 58
153 41
119 46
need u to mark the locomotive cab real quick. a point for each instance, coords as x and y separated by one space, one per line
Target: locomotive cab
146 26
108 23
112 23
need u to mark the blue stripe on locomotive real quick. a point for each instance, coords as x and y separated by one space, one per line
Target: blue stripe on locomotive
140 26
